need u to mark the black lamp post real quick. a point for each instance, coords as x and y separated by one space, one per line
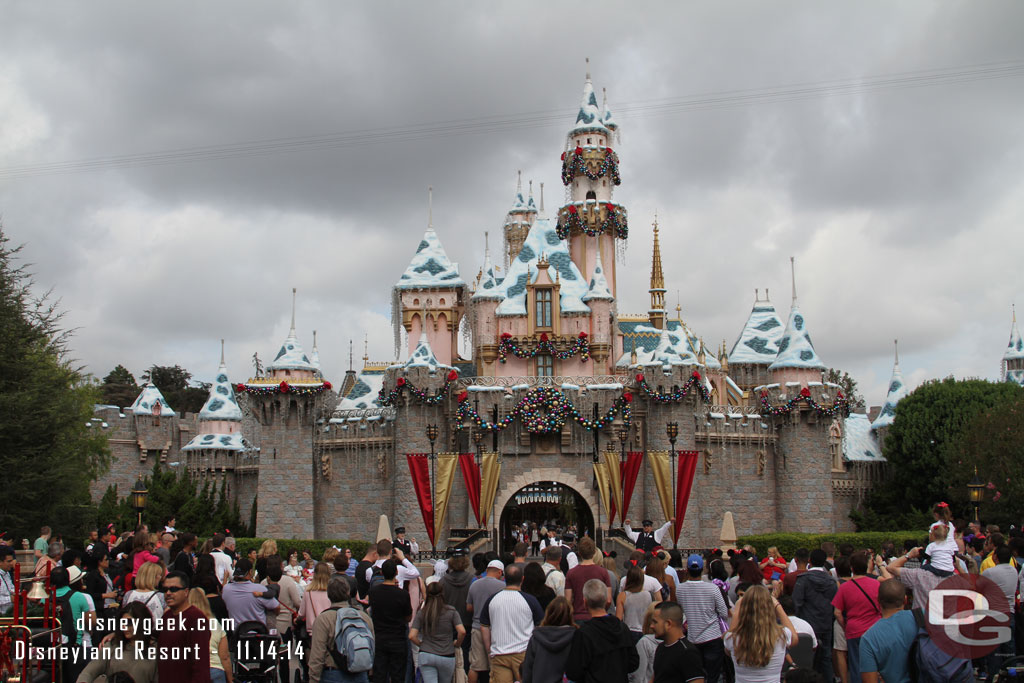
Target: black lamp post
139 494
432 435
976 491
478 438
672 431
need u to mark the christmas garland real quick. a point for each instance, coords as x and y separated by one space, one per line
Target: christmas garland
570 219
678 394
402 384
840 407
574 164
580 346
283 388
544 410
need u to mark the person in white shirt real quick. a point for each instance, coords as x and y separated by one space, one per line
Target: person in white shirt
649 538
553 576
221 560
801 625
651 584
406 569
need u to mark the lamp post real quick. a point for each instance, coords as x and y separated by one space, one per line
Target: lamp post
139 494
432 435
478 437
976 491
672 431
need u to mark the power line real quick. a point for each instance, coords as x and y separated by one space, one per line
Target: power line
658 108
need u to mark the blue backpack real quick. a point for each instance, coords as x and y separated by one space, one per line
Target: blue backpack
929 663
352 649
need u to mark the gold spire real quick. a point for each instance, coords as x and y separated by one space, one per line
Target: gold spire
656 315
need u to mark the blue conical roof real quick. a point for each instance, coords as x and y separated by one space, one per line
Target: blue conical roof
589 116
149 398
430 266
897 390
759 340
795 347
1015 349
221 405
599 289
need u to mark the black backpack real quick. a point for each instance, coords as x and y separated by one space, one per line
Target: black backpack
376 577
66 615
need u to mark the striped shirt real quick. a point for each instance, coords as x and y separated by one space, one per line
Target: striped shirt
511 616
703 606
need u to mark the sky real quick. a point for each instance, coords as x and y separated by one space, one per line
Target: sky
174 169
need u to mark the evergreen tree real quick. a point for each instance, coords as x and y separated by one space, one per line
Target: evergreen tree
175 383
849 387
119 388
48 451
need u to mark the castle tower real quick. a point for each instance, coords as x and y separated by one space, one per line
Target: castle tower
602 303
520 217
485 304
155 423
897 390
430 297
590 170
656 314
287 403
314 355
757 346
796 360
1013 359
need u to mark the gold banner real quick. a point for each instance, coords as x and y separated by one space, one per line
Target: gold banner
444 476
490 469
611 461
661 468
601 474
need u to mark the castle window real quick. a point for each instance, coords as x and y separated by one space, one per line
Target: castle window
442 302
415 302
604 182
588 141
543 309
545 366
591 195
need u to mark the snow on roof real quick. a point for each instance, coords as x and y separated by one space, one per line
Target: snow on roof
607 119
589 116
734 389
363 394
599 290
430 266
149 397
291 356
489 283
542 240
1015 349
897 390
759 339
220 442
670 351
314 355
221 405
795 348
682 341
859 442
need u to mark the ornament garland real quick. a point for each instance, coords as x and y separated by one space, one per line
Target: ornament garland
574 164
569 219
544 410
580 346
679 394
402 384
283 388
840 407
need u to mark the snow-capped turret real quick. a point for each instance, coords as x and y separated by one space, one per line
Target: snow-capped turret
599 290
423 356
795 347
588 120
221 404
220 420
531 206
291 358
314 355
1013 358
151 402
430 266
897 390
758 342
606 114
669 352
488 288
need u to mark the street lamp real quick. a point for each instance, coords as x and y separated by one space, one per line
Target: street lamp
478 438
432 435
672 431
139 494
976 491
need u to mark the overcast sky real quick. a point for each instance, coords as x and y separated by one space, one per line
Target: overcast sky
237 149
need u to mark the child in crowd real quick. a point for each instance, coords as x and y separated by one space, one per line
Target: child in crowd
942 542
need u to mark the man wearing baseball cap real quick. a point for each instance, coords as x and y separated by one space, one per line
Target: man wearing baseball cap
703 606
648 539
480 591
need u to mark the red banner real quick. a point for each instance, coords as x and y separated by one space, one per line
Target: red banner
630 470
471 476
419 468
684 484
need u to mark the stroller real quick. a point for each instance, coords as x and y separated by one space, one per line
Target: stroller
256 653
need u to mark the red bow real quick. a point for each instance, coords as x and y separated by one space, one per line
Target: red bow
943 505
452 376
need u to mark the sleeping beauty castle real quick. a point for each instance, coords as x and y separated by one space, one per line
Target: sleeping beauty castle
566 411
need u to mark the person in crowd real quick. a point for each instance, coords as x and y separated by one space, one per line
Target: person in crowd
267 548
315 600
920 581
649 538
248 601
142 552
220 650
146 589
406 569
391 611
162 548
758 637
705 611
41 547
656 569
67 596
796 567
884 646
289 595
506 624
407 546
534 539
183 554
801 626
840 656
857 609
193 638
480 591
119 655
98 583
548 649
676 660
230 547
773 566
720 578
455 589
651 584
646 648
533 583
294 567
437 631
352 564
632 602
340 565
1005 575
579 575
50 560
205 577
608 562
812 596
322 667
603 649
940 551
519 551
221 558
553 576
7 589
362 578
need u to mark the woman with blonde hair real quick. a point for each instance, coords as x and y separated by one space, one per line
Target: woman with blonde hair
220 654
758 637
646 648
145 591
656 570
268 548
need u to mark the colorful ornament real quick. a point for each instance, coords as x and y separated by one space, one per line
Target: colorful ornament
614 223
841 407
607 165
678 394
283 388
580 345
545 410
402 384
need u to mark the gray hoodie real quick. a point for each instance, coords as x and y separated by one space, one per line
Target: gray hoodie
812 596
546 654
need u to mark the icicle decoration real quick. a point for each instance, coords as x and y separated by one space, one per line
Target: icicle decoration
396 319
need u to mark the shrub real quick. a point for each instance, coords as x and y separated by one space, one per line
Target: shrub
787 543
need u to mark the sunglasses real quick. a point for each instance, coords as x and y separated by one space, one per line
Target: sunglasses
174 589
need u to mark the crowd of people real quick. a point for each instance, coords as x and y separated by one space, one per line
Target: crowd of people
558 610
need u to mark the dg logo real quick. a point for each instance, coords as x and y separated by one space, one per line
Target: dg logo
969 616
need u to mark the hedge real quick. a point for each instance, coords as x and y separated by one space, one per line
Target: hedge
787 543
316 548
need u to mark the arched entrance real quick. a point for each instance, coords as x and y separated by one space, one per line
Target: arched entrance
544 503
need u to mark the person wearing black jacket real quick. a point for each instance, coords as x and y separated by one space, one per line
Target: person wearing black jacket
603 649
183 555
812 595
455 588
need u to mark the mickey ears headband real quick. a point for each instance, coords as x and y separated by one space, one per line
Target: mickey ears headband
943 505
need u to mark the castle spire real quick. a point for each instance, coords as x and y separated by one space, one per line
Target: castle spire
542 199
657 313
293 312
897 390
1013 357
222 352
792 273
430 208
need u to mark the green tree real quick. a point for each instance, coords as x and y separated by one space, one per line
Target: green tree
849 387
113 509
49 452
119 388
175 384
